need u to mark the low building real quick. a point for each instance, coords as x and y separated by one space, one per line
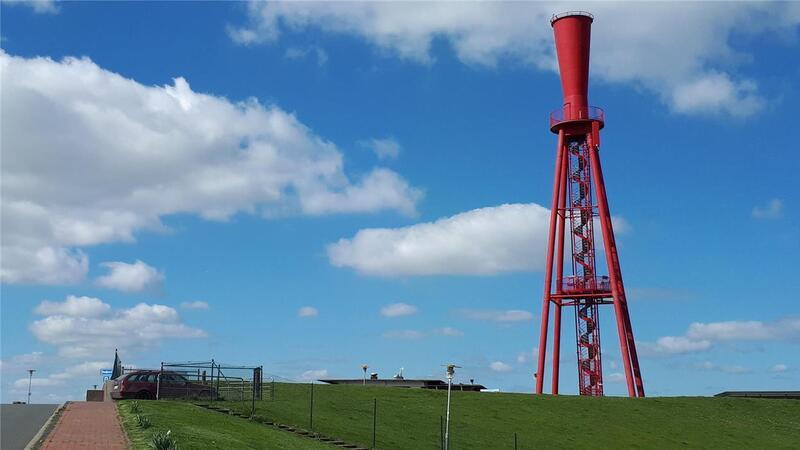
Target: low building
761 394
407 383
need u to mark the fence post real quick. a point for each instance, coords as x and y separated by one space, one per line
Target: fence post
374 420
158 381
272 395
253 407
213 393
311 409
219 372
515 441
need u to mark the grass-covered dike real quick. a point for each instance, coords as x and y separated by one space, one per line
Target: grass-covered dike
192 427
410 419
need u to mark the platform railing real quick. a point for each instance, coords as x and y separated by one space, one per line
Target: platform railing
568 113
584 284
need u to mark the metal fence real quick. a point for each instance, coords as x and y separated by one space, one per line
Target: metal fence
368 417
377 416
211 381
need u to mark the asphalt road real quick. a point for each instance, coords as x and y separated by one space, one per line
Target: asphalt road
20 423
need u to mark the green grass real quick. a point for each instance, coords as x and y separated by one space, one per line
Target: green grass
409 419
197 428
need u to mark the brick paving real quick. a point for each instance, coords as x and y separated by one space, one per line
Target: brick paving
87 425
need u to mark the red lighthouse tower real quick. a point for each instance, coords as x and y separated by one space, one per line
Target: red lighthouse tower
579 206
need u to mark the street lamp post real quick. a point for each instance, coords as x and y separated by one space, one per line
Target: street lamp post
30 378
364 367
451 370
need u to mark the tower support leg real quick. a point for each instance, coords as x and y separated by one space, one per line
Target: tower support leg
562 189
549 265
556 344
617 289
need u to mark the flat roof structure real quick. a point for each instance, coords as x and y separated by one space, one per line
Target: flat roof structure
407 383
761 394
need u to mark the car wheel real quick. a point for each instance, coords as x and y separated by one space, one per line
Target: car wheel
144 395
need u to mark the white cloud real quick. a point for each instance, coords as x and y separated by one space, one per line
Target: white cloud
404 334
313 375
38 6
195 305
398 310
749 330
615 377
633 43
483 241
92 157
701 336
715 92
387 148
300 53
736 370
499 366
448 331
89 369
21 362
669 345
307 311
524 357
39 262
136 277
22 383
85 328
244 36
772 210
779 368
618 223
495 315
74 307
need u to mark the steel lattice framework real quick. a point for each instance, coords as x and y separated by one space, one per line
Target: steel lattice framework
580 203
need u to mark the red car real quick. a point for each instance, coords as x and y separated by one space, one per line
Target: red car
143 384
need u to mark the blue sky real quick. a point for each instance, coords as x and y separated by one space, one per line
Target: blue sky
181 180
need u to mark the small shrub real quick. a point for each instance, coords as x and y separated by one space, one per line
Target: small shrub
135 407
163 441
257 418
144 421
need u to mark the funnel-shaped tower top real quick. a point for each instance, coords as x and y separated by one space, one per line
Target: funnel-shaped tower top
573 33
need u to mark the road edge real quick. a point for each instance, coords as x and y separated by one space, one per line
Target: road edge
33 443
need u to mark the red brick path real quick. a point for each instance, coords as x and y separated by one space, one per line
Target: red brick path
87 425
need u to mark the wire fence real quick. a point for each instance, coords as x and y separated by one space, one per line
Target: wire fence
366 416
211 381
385 417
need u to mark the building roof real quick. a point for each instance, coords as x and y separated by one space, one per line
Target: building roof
761 394
407 383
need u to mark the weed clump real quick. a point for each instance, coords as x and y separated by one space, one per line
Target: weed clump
163 441
143 421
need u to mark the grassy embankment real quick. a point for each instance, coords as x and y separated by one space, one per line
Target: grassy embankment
410 419
193 427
